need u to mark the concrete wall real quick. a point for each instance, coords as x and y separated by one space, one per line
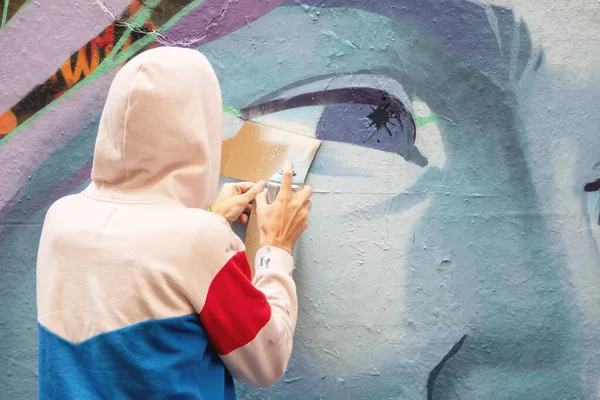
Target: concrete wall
453 252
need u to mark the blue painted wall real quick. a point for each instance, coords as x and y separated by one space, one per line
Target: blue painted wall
453 251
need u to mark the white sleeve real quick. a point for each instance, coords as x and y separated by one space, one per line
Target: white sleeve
252 323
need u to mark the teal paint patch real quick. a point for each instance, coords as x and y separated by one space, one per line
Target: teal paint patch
18 334
64 163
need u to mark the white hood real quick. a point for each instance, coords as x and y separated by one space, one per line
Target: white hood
160 133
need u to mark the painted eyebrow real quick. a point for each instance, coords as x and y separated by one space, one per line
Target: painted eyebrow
352 95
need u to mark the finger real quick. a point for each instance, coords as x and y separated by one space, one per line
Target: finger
248 208
244 186
307 206
231 189
261 199
286 182
254 190
243 218
305 194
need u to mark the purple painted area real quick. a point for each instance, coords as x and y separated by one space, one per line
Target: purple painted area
215 19
32 51
349 123
19 210
21 155
352 123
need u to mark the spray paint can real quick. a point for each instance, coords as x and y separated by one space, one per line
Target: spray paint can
274 185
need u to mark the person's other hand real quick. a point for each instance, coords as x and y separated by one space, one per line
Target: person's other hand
282 222
235 199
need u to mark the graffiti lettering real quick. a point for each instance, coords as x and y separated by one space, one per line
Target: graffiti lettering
87 60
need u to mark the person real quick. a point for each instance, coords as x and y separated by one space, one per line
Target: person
142 292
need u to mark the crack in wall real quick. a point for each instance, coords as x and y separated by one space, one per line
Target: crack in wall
136 25
438 368
106 9
211 25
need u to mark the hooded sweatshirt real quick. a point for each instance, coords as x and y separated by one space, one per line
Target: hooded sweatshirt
141 292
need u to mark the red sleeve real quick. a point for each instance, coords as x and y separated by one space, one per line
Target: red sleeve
234 311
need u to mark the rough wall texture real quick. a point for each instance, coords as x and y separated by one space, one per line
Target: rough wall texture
454 247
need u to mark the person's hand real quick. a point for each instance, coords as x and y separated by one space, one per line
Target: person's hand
235 200
282 222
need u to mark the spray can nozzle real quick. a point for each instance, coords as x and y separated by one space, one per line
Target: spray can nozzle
281 173
274 185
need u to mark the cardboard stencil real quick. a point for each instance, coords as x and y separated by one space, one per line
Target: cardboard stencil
256 153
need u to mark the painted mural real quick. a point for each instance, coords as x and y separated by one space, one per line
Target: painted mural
455 237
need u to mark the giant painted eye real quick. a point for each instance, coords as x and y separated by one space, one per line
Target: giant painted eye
366 110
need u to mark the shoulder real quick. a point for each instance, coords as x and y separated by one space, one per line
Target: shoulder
64 202
63 205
